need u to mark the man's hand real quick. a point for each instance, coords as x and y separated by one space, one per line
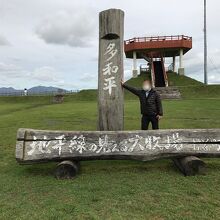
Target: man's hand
122 82
159 117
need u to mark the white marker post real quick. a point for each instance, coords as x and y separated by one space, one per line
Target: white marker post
110 92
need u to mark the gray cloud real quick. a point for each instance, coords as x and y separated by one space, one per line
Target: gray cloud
88 77
68 28
4 41
42 74
45 74
10 70
194 64
214 78
29 24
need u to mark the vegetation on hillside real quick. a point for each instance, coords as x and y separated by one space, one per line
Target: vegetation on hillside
104 189
107 189
189 88
173 78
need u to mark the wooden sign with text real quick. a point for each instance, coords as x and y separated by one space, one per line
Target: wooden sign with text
39 146
110 92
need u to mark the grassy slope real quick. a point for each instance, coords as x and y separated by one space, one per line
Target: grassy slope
105 189
189 88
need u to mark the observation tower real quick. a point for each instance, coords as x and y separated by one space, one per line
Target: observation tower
154 50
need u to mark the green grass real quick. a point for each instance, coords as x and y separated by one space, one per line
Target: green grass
173 78
105 189
177 80
189 88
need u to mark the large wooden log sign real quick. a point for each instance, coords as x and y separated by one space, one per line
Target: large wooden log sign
43 146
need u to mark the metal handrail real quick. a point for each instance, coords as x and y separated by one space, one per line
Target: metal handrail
43 93
157 38
170 67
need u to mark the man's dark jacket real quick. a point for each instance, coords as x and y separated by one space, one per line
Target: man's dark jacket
150 105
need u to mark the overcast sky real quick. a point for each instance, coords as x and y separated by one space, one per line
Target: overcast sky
55 42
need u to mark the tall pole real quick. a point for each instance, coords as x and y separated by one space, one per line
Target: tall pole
205 46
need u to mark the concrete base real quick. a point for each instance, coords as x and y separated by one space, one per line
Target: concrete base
135 73
181 71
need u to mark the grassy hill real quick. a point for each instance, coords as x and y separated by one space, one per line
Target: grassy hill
107 189
189 88
173 78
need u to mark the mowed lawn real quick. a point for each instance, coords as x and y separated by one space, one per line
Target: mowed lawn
104 189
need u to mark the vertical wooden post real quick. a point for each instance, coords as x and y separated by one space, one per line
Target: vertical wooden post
110 92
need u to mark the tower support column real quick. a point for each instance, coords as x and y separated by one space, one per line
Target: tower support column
181 70
152 73
174 63
135 70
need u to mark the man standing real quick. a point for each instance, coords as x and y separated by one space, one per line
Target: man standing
150 103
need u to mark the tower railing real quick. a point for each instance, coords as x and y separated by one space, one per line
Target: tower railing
170 67
158 38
